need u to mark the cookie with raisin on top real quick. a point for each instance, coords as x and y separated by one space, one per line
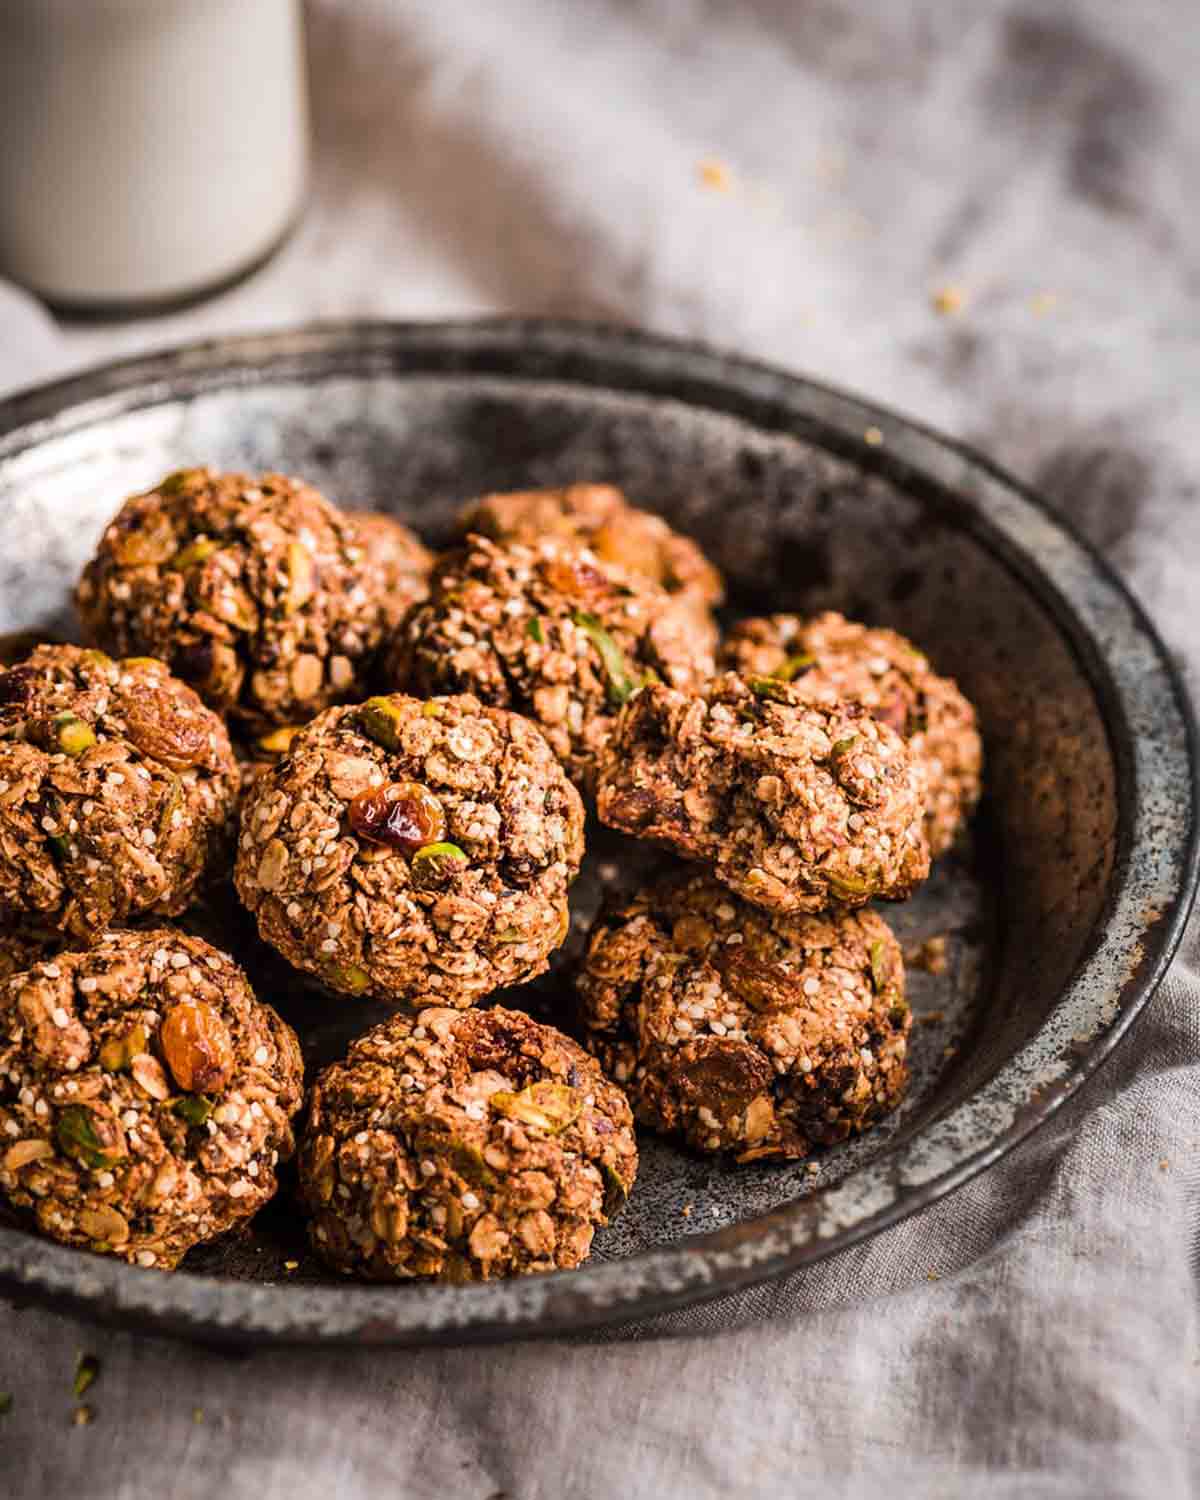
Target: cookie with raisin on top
410 850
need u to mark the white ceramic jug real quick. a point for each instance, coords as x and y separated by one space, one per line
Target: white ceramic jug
149 149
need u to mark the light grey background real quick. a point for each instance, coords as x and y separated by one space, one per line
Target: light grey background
1035 1335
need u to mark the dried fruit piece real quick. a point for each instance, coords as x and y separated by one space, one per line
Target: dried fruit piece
404 815
197 1047
74 735
119 1051
534 631
437 864
17 686
380 719
163 726
88 1138
144 544
621 683
546 1105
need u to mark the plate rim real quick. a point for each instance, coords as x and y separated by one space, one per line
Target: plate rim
701 1267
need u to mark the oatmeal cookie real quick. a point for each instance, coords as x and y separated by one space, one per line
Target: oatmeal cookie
793 805
463 1146
832 659
550 631
117 787
599 517
737 1030
401 560
258 592
146 1096
406 850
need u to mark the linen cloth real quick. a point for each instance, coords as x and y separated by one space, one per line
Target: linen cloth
797 182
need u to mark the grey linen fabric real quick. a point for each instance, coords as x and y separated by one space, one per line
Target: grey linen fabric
1036 1333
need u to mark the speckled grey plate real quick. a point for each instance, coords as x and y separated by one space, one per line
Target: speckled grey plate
1061 916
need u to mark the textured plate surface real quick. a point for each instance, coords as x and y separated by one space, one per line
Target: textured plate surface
1061 916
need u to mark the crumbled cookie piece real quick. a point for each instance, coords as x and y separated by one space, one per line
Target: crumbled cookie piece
404 849
117 788
740 1031
463 1146
832 659
550 631
257 591
793 805
401 560
146 1096
599 517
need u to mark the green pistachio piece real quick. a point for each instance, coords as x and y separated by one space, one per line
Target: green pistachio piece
545 1105
879 966
769 687
621 683
435 864
841 746
534 631
98 659
74 734
510 935
119 1051
379 719
195 552
60 845
78 1137
87 1367
350 978
615 1191
847 887
194 1108
794 666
